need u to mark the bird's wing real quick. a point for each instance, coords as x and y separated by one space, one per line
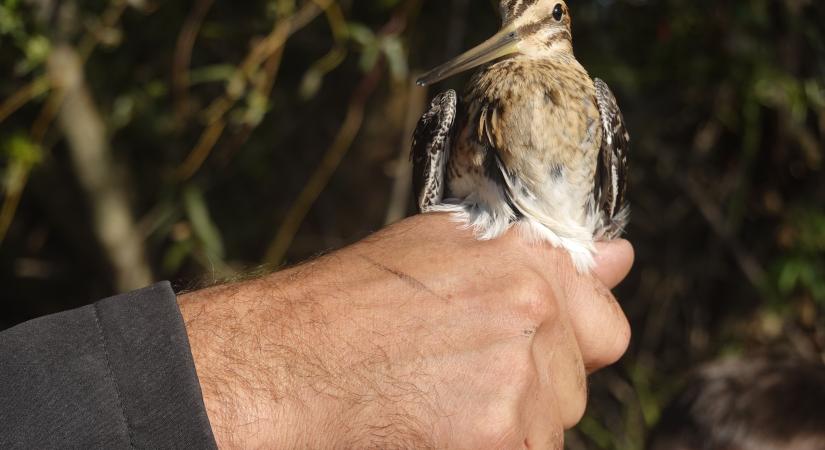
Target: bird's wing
431 149
611 176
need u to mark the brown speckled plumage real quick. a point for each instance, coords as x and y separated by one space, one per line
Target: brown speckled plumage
537 115
533 140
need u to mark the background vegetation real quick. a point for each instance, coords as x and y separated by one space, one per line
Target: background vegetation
146 140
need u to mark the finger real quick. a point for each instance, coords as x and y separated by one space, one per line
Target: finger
561 371
614 260
545 430
598 322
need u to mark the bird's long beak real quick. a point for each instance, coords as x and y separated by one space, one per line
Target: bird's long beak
504 43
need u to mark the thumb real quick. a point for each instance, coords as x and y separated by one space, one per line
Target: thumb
614 260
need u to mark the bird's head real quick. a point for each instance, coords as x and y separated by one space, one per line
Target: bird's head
532 28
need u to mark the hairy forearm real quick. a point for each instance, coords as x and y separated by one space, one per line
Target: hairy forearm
247 352
285 359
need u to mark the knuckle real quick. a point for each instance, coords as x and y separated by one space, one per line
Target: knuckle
533 299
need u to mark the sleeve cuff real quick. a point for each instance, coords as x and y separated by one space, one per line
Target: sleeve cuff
153 372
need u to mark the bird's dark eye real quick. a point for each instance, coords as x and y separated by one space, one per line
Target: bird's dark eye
558 12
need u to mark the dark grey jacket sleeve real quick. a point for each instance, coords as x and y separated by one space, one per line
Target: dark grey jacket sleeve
115 374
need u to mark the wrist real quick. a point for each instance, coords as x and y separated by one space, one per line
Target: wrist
223 324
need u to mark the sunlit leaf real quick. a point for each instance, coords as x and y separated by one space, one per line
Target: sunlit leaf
396 56
176 255
20 149
311 83
198 214
361 34
211 74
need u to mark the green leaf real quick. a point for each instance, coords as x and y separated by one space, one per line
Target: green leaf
361 34
789 276
205 229
311 83
18 148
176 255
211 74
597 432
396 57
257 105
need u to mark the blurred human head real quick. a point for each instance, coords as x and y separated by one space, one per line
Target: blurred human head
755 404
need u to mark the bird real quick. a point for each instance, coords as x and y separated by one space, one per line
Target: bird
533 142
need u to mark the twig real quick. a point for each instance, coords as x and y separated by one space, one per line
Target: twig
279 35
108 19
712 213
40 127
183 56
237 85
14 191
343 141
338 53
402 186
201 151
24 95
416 102
41 84
263 89
338 26
277 250
46 116
88 43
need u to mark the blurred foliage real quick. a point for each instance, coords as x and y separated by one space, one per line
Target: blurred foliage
248 131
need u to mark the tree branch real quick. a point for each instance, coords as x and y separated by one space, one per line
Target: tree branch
98 174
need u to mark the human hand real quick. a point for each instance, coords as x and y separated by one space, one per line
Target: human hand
418 336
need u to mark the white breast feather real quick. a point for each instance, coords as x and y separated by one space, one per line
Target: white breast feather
555 219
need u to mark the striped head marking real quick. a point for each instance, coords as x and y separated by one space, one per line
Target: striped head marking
533 28
514 9
543 26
